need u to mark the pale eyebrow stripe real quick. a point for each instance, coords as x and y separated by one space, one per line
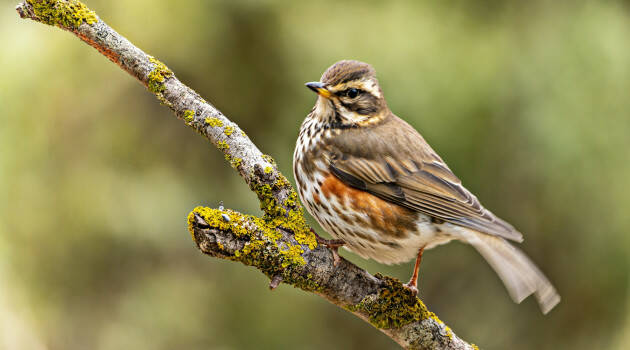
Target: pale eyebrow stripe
368 85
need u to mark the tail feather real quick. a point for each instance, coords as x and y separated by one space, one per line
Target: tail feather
519 274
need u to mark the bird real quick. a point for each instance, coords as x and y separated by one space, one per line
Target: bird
377 187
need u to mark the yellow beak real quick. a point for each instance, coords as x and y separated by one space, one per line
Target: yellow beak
319 88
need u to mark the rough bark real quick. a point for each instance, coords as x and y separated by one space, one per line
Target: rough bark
280 243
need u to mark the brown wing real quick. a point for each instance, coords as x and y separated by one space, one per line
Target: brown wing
396 164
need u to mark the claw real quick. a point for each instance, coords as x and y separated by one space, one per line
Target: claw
413 289
332 244
335 253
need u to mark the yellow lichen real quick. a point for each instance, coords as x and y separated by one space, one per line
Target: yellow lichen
291 220
394 307
222 145
292 200
449 332
301 231
189 116
228 130
435 318
235 162
263 248
292 255
269 159
68 14
214 218
268 202
214 122
260 250
158 76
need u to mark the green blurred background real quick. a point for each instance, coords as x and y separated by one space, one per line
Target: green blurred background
528 103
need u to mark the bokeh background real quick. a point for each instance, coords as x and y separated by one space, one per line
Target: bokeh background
528 102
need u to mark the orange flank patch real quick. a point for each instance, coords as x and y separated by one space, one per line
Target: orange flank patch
388 218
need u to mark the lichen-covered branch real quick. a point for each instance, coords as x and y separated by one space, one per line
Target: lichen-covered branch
279 253
280 243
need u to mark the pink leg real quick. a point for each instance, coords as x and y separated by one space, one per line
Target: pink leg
413 282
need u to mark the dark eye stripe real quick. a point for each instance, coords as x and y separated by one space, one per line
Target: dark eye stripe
362 107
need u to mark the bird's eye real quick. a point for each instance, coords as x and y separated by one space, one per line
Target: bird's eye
352 92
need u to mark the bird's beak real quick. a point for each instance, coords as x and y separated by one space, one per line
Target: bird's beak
319 88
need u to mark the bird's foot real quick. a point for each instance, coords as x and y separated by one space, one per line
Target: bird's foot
332 244
412 288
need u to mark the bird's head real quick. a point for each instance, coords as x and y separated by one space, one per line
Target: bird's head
349 95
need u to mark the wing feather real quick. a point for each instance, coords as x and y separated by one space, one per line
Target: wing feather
416 178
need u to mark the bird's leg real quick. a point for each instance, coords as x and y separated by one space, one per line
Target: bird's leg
413 282
332 244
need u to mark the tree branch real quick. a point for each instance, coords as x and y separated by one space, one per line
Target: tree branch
280 243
